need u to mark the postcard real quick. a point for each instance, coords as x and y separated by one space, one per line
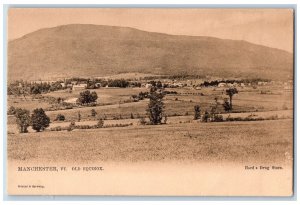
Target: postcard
150 101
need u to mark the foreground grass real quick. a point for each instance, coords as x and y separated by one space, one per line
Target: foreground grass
259 141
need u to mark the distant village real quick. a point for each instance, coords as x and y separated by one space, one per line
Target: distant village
82 84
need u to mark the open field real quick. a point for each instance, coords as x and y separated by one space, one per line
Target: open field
106 95
283 114
113 102
259 141
180 139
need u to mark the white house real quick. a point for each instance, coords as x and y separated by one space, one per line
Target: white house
79 87
262 83
148 85
71 100
221 85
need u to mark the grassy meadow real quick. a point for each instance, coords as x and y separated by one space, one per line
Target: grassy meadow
181 138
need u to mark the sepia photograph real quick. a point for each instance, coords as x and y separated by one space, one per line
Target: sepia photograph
150 101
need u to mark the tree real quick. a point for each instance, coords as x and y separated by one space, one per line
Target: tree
213 111
79 116
216 100
94 97
231 92
93 112
206 116
87 97
197 111
131 116
156 106
35 89
159 84
226 105
23 119
39 120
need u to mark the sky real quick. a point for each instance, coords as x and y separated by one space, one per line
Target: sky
269 27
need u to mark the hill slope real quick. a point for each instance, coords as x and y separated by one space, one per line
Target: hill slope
93 50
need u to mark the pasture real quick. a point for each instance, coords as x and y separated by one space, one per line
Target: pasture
116 102
181 138
255 142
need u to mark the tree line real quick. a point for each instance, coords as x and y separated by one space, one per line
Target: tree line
216 82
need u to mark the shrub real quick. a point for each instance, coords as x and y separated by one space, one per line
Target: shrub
100 123
79 116
284 107
165 119
71 126
69 107
274 117
93 112
218 118
142 121
206 117
197 111
56 128
60 117
82 127
11 110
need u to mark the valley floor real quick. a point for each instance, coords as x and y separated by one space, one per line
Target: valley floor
239 142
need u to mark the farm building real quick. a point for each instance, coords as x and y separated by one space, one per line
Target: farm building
79 87
148 85
262 83
71 100
221 85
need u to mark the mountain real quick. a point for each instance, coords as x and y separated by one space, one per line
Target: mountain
84 50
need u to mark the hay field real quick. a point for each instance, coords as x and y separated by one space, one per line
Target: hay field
258 141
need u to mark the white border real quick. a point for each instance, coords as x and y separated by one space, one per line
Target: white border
146 2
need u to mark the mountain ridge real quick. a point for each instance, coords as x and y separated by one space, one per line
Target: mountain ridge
98 50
